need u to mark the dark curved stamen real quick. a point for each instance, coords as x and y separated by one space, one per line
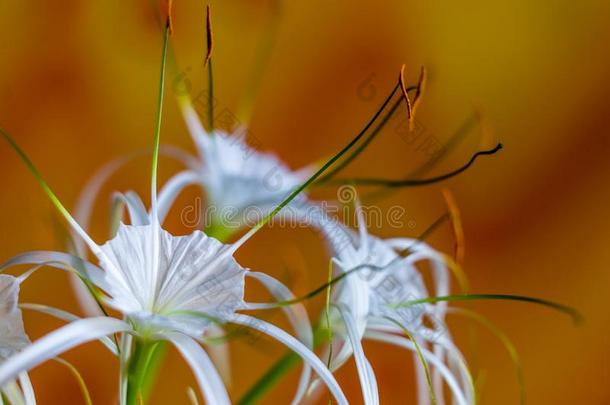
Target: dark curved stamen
370 138
416 182
454 140
452 143
320 172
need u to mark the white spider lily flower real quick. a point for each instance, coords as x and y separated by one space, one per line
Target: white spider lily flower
235 176
377 276
168 287
240 182
13 339
158 282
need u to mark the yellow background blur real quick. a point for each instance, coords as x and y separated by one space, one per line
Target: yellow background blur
78 86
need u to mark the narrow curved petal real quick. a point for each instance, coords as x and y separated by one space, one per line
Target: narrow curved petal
403 342
82 214
172 189
27 389
298 318
13 393
296 346
423 391
437 378
208 378
193 123
219 353
63 261
366 376
372 379
89 194
456 360
441 274
68 317
180 155
135 207
126 341
59 341
12 333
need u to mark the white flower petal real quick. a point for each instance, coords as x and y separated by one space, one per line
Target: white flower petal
137 212
423 391
172 189
125 343
298 318
208 378
372 379
13 393
339 238
219 353
12 333
88 196
425 252
193 123
457 361
239 176
296 346
367 378
27 389
57 342
189 277
63 261
431 358
66 316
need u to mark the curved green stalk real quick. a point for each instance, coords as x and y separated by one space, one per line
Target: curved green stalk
271 377
420 355
505 340
278 371
79 379
573 313
157 138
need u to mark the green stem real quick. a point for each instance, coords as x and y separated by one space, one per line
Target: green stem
157 138
279 369
270 378
138 370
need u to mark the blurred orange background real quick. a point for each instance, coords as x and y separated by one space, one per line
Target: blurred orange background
78 86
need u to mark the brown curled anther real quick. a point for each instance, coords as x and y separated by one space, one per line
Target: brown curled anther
403 87
170 24
209 37
421 86
456 225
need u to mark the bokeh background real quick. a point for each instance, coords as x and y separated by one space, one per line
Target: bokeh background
78 86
